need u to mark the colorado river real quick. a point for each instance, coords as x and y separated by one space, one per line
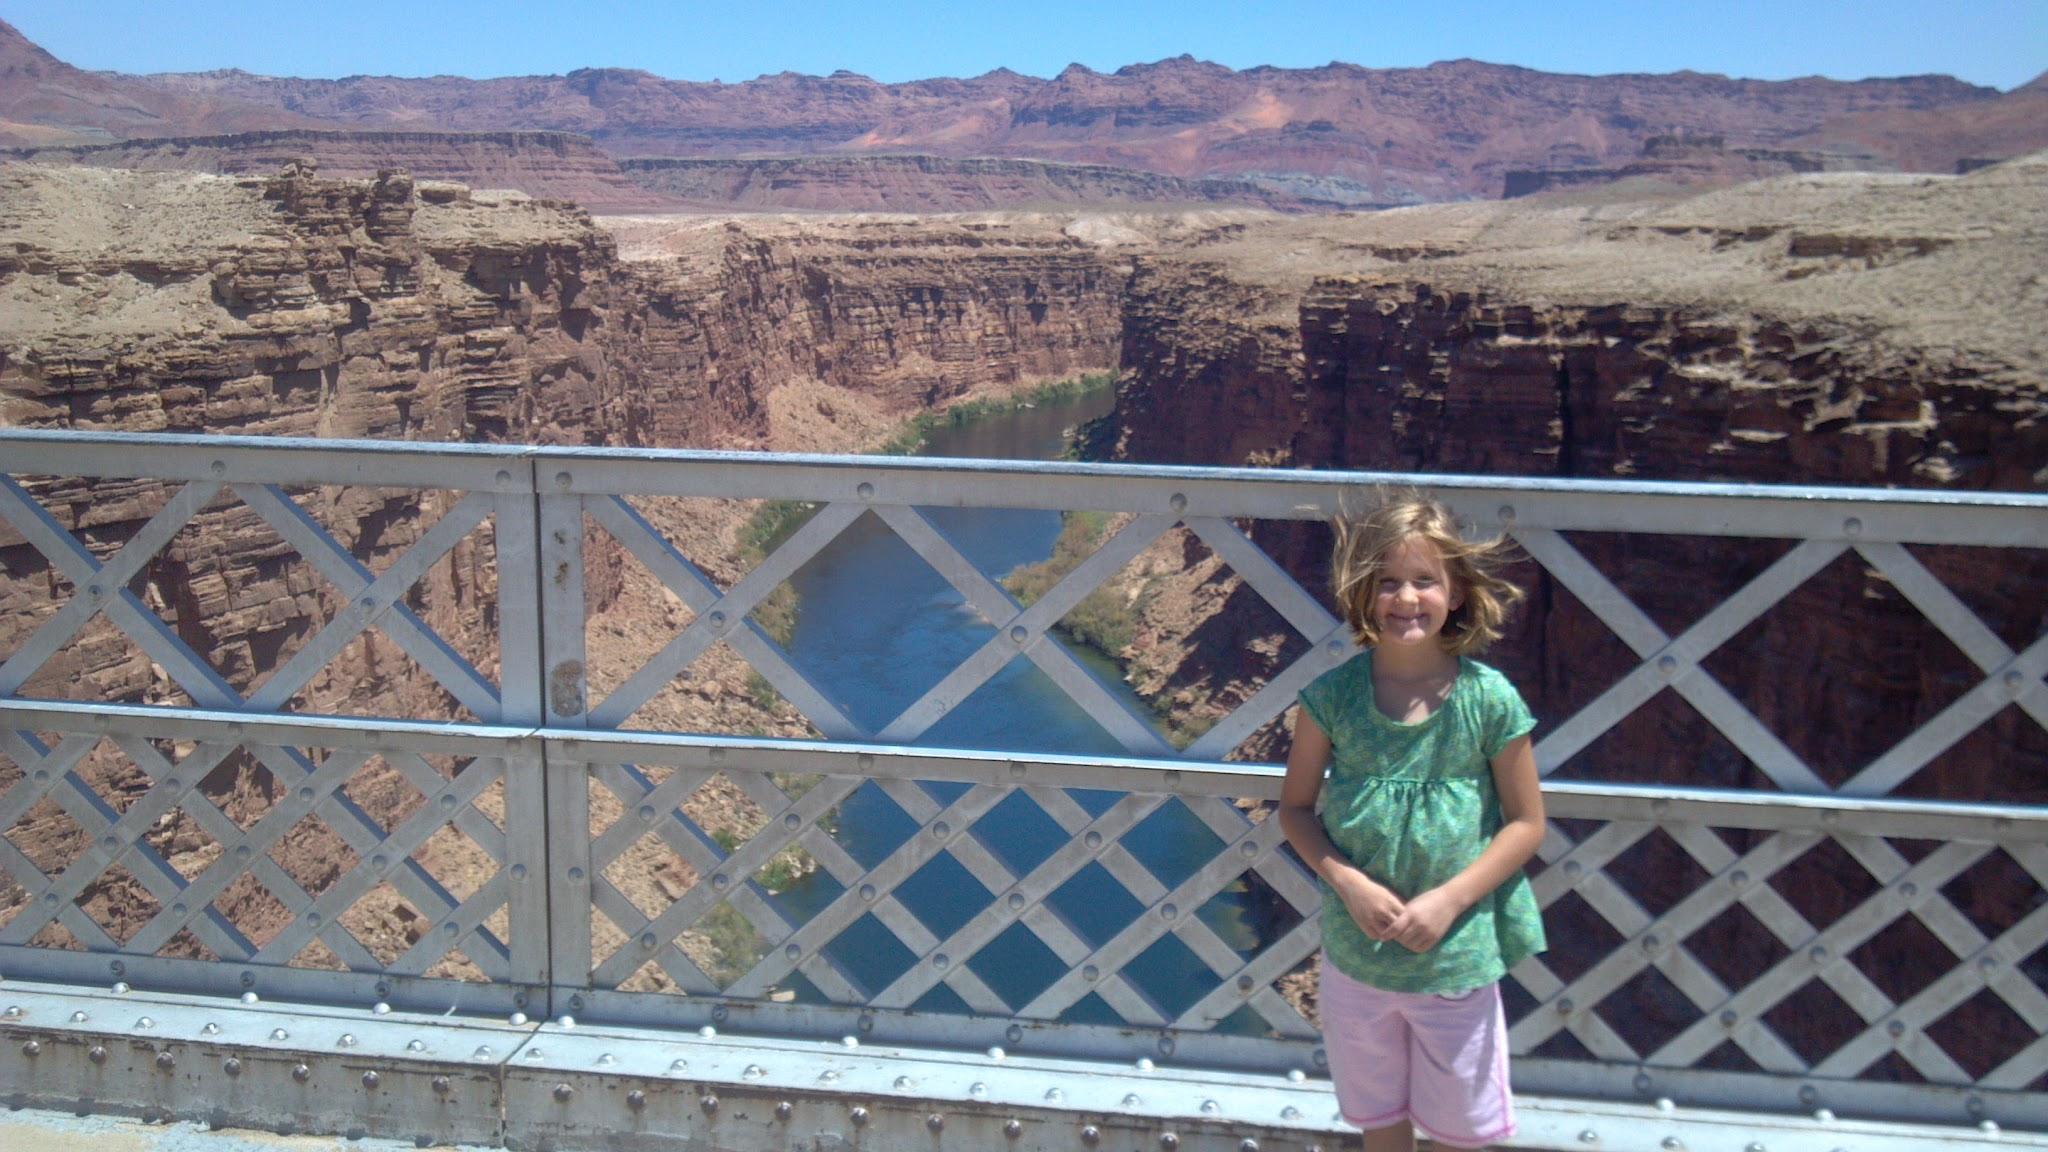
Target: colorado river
876 629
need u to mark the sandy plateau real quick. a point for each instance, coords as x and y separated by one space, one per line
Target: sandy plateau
1840 328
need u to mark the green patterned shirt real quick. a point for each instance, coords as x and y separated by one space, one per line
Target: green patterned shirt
1412 805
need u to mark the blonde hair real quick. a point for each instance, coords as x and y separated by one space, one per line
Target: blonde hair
1397 516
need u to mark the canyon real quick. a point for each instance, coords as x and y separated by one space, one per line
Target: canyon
1857 328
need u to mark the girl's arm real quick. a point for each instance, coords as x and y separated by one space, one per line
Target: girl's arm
1371 905
1429 915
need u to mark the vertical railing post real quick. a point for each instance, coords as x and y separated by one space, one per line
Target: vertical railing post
520 704
559 607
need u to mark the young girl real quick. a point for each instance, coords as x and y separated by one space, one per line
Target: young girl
1432 808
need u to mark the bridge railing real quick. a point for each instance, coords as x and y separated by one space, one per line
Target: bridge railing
484 830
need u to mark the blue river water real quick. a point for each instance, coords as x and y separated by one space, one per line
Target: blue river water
877 627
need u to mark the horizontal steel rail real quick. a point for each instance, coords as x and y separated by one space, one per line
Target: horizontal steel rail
560 805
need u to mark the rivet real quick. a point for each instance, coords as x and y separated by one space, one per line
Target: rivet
31 1048
312 919
166 1061
1896 1028
483 1052
1564 1006
859 1116
1588 1136
97 1054
1247 1145
2014 678
867 892
864 490
1290 1113
1909 889
721 881
783 1108
563 480
415 1046
1244 983
1014 1034
301 1073
636 1099
709 1104
1642 1082
1831 817
1013 1129
1988 1127
504 477
1144 1064
1672 1142
1132 1100
1019 634
1728 1018
1016 901
649 941
347 1040
1738 878
145 1022
935 1121
707 1032
679 1066
1573 868
1168 911
1817 953
941 961
1809 1095
109 843
448 802
1754 1146
450 928
1248 849
996 1053
977 1089
1211 1108
369 1079
1651 943
1016 771
534 1053
718 619
1506 514
1092 839
79 1017
866 1024
218 467
575 874
647 813
1319 1058
563 1092
1296 1076
1177 502
1090 973
565 1021
441 1085
232 1066
1666 1105
828 1076
179 910
1852 527
1054 1095
366 605
849 1041
279 1034
1165 1045
1987 963
242 852
1090 1135
1667 664
1823 1116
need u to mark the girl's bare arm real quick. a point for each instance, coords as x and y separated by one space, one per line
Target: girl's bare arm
1370 903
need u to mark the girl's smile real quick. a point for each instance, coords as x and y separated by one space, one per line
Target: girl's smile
1413 597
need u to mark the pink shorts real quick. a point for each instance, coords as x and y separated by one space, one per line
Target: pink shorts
1438 1061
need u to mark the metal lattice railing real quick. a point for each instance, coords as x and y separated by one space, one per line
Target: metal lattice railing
544 854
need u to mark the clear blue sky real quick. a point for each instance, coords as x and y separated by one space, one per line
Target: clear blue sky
2002 43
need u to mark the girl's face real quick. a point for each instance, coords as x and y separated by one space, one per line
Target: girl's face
1413 596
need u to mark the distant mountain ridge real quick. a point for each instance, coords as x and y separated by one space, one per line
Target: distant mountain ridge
1338 133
